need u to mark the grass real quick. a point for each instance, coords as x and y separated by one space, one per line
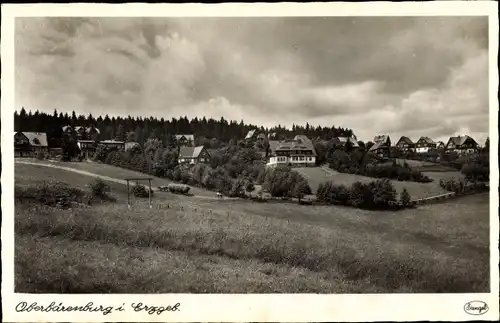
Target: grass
240 246
315 176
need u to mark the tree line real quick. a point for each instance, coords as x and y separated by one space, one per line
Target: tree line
144 128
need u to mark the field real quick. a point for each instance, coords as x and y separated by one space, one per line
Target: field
317 175
184 244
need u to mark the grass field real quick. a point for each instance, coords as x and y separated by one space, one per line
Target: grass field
316 175
202 245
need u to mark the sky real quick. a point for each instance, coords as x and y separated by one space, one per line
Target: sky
412 76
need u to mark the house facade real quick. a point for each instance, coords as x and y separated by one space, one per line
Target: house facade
382 146
184 140
120 145
440 145
405 144
87 147
297 152
28 144
193 155
425 144
461 145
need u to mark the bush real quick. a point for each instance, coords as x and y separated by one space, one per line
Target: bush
98 188
40 155
49 193
405 198
378 194
141 191
178 189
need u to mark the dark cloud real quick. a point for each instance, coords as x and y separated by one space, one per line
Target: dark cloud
349 70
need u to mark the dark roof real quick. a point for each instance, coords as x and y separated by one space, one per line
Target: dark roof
460 140
405 139
287 145
427 140
190 152
381 139
188 137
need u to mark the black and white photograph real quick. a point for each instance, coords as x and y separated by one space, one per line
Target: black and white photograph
314 154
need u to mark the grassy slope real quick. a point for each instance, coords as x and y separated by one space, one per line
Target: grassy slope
436 248
315 176
119 173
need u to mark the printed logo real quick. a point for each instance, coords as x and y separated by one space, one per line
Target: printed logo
476 308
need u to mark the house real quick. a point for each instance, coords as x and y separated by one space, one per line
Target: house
67 130
405 144
344 141
28 144
297 152
120 145
92 133
440 145
131 144
251 134
461 145
87 147
382 146
184 140
425 144
83 133
193 155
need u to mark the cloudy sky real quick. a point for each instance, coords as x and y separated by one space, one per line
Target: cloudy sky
391 75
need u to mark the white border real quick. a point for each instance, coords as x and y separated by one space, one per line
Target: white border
248 307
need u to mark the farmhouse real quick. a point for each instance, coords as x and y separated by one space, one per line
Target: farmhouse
193 155
184 140
345 141
113 144
297 152
440 145
425 144
28 144
461 145
382 146
405 144
87 147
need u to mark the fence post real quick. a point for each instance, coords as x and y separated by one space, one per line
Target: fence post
128 195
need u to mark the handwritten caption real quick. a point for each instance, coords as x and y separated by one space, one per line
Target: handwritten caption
94 308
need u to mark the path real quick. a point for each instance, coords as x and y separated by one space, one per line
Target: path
109 179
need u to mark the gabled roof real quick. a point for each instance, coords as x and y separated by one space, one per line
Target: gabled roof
345 140
190 152
427 140
287 145
460 140
36 139
92 128
250 134
381 139
188 137
64 128
405 139
439 143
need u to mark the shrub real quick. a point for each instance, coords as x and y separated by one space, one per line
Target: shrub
40 155
178 188
249 187
405 198
141 191
49 193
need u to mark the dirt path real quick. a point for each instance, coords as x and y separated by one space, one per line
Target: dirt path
107 178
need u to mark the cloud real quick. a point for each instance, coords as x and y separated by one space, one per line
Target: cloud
398 75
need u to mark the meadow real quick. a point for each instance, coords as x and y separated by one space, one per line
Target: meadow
184 244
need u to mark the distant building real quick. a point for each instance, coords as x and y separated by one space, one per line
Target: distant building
87 147
440 145
193 155
184 140
120 145
28 144
425 144
382 146
272 135
251 134
405 144
82 133
344 141
461 145
297 152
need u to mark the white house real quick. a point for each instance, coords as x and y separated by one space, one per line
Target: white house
297 152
